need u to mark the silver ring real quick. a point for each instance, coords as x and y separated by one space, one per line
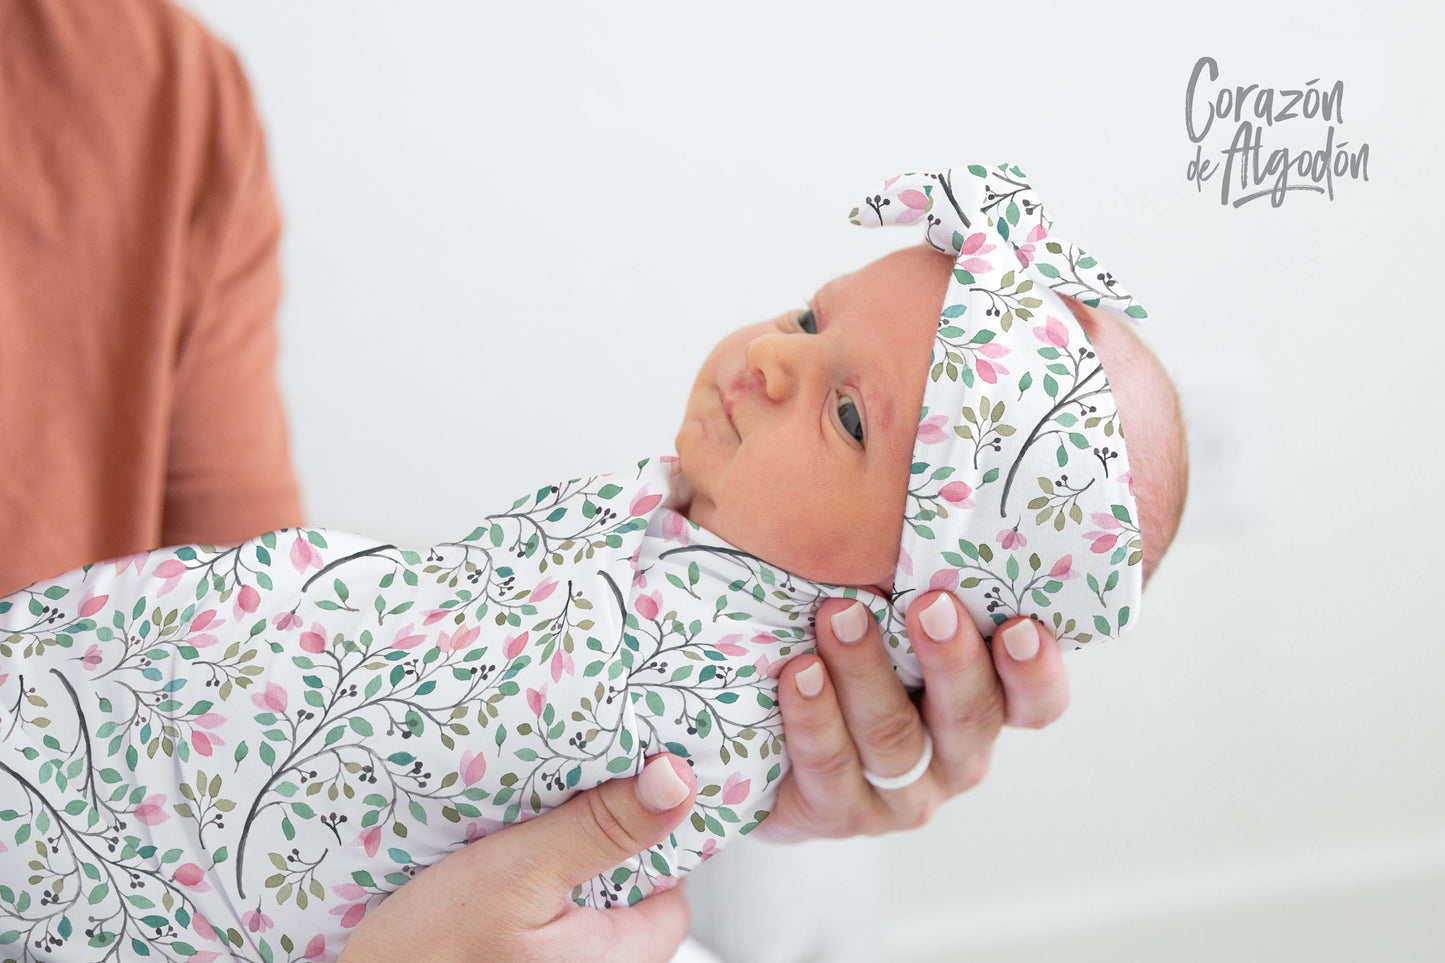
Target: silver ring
909 777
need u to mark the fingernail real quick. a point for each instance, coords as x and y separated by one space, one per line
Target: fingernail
659 787
850 624
810 680
1022 640
939 620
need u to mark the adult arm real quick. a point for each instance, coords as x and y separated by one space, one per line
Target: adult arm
505 897
844 710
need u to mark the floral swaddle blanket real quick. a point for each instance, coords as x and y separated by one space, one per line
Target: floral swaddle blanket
234 752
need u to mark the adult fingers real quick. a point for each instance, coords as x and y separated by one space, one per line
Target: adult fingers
881 718
649 932
825 770
963 700
1035 683
593 832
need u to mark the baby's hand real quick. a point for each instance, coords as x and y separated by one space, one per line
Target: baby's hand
845 711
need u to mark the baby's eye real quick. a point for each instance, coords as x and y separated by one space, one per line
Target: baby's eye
849 418
807 322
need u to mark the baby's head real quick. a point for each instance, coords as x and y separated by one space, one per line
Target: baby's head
806 443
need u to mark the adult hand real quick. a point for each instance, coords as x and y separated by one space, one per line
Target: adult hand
845 711
504 897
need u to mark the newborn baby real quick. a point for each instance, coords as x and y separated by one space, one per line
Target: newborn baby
208 751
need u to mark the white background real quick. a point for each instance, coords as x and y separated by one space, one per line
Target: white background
512 232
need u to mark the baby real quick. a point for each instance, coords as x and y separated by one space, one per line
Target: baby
236 751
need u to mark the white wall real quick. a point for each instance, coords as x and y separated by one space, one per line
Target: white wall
513 229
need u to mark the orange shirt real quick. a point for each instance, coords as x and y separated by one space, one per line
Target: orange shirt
138 289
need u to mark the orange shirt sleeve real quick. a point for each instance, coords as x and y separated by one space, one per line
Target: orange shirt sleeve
228 471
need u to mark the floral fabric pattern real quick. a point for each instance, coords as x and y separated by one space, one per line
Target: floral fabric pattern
232 753
1021 499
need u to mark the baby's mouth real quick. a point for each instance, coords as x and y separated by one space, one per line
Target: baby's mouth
727 407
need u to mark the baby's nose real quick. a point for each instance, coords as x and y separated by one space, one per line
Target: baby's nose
779 359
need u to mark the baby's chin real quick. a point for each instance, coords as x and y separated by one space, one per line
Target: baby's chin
824 567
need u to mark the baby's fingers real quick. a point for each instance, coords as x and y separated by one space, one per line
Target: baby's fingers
1035 684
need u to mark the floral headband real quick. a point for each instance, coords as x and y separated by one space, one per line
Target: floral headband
1021 498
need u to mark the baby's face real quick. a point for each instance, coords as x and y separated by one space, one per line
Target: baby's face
799 431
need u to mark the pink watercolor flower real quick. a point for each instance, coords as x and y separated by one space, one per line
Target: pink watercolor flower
536 700
171 571
728 644
206 620
1025 253
476 831
247 600
1011 538
152 811
1104 541
350 916
944 578
973 244
192 877
675 528
138 560
1054 334
314 641
957 493
513 645
976 265
202 640
272 700
435 615
370 840
349 891
1105 520
544 589
1128 478
1037 233
639 580
905 562
648 605
642 503
316 949
209 720
304 555
203 956
256 921
1063 569
993 350
917 204
561 665
460 639
771 669
90 603
664 883
286 621
202 927
988 371
474 766
735 790
92 658
930 429
204 742
709 850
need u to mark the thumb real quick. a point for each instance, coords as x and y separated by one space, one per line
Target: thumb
600 828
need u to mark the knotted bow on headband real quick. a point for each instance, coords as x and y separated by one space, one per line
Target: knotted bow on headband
1021 498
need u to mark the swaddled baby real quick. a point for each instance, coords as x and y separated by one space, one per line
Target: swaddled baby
208 751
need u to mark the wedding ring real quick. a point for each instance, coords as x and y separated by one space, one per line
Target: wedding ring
909 777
